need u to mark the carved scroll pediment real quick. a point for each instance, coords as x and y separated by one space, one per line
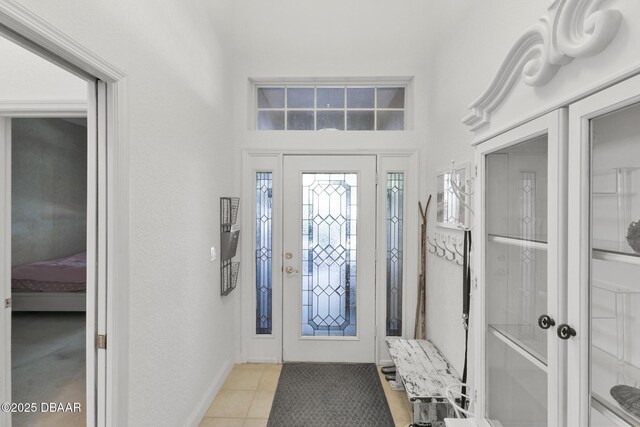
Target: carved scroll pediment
570 29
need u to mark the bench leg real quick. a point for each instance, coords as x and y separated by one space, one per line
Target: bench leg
431 413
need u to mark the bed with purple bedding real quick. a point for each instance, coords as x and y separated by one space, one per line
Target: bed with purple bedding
51 285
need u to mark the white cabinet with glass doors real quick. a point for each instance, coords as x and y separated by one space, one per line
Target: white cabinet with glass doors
558 267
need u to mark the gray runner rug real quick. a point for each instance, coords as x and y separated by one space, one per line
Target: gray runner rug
329 395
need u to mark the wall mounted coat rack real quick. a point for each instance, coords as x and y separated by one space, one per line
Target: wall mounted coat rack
447 247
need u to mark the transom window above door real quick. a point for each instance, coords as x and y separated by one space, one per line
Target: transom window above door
330 107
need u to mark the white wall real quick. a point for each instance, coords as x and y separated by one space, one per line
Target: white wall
180 164
48 189
24 76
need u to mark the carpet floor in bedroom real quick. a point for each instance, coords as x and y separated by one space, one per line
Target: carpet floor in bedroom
48 365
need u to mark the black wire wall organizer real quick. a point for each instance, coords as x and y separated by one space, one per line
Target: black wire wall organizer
229 235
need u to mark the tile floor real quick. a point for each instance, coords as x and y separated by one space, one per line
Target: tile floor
247 394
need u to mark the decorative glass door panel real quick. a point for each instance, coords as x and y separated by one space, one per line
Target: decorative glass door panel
329 258
521 228
615 268
329 225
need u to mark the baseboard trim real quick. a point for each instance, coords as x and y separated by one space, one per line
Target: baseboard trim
201 409
385 362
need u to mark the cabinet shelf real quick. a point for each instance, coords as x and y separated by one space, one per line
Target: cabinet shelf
515 337
618 184
614 287
611 251
517 241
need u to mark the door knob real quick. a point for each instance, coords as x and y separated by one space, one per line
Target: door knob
290 270
565 331
545 322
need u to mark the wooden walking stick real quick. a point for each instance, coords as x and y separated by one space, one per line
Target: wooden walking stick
420 329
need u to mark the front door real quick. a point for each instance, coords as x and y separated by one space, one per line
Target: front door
329 258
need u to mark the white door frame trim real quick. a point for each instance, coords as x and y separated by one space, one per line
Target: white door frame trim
38 36
44 108
264 160
5 251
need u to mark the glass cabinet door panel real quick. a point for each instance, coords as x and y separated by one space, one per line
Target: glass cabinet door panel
517 191
516 282
516 256
516 388
615 268
516 295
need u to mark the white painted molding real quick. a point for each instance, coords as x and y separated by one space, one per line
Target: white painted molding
570 29
45 108
40 37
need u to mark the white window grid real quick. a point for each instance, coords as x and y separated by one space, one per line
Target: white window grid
345 109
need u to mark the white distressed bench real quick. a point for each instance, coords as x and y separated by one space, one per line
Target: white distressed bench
425 375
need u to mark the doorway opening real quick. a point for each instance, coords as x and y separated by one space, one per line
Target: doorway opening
48 267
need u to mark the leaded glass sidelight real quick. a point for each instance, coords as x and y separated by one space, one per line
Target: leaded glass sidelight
395 220
263 252
329 223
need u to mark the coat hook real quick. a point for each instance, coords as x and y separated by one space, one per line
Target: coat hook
456 246
435 250
444 251
453 253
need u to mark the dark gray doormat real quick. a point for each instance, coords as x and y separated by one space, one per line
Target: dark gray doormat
329 395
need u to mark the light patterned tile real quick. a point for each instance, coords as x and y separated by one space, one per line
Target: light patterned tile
261 404
243 379
255 422
269 380
273 367
222 422
231 404
251 366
